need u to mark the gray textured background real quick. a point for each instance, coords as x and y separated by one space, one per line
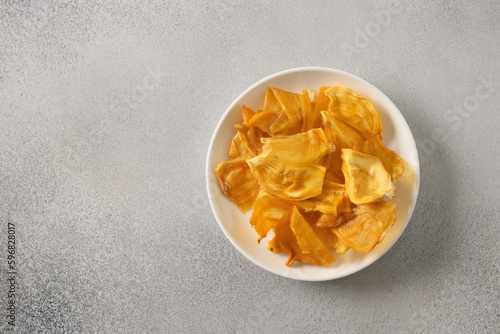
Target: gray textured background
106 112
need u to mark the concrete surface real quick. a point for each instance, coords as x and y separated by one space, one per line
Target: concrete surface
106 112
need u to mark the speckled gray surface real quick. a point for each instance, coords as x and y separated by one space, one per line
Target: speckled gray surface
106 112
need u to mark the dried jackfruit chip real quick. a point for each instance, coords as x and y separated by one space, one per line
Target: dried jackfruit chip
391 161
362 233
296 237
312 248
288 167
271 102
341 247
381 210
341 135
247 114
274 246
305 148
331 197
285 180
285 239
339 132
283 127
267 212
246 138
322 101
357 111
369 225
250 137
366 179
308 117
314 100
238 183
264 119
238 150
327 220
327 237
333 164
290 103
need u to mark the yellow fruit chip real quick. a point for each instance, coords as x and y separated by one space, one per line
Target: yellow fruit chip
238 183
366 179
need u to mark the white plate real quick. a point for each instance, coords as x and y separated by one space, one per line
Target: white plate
236 226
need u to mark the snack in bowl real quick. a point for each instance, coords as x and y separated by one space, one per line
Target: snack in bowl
315 171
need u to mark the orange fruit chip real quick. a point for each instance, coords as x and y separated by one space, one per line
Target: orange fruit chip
305 148
250 137
239 150
381 210
331 197
322 102
341 247
339 132
283 126
271 102
247 114
238 183
288 165
267 212
391 161
327 237
274 246
286 181
361 233
264 119
296 237
368 227
312 249
309 120
357 111
290 103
